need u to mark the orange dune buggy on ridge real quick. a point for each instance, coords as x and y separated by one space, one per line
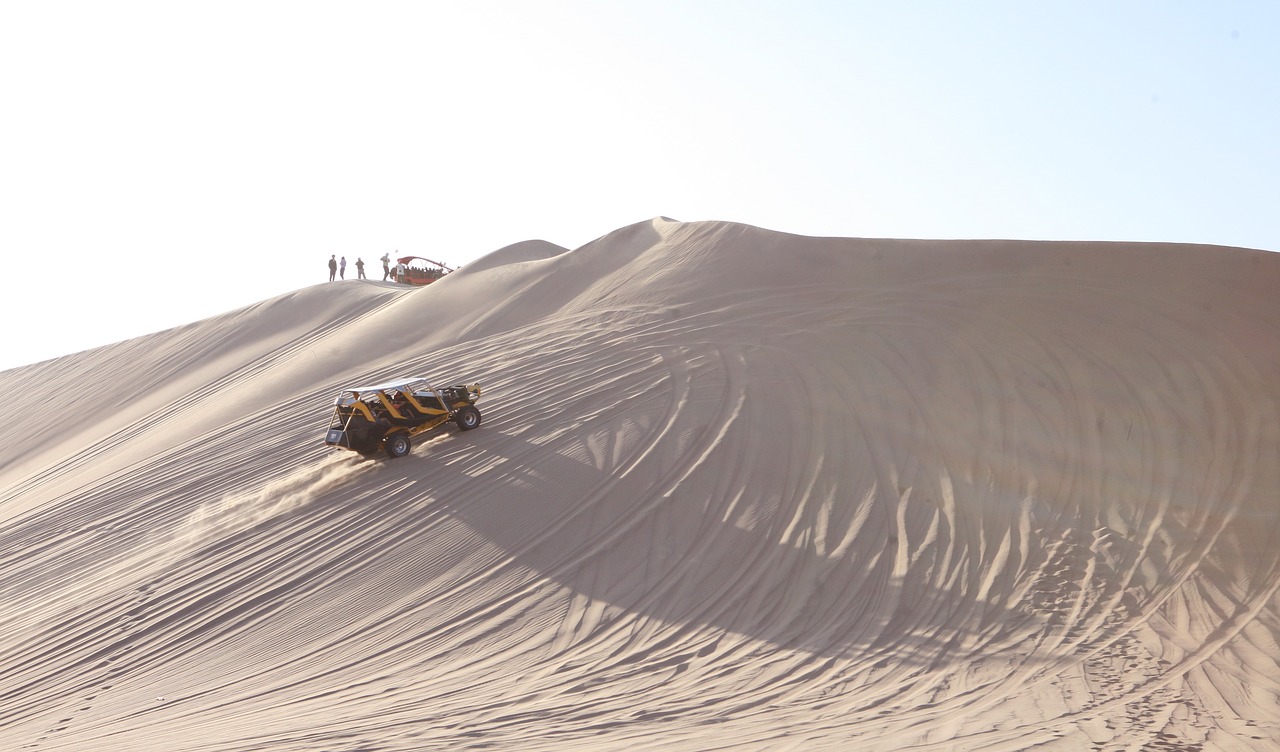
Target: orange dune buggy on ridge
388 417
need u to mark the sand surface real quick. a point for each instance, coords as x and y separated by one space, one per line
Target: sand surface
734 490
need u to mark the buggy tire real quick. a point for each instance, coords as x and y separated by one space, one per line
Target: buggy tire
467 418
397 445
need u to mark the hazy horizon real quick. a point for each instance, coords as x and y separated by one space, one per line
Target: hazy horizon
167 163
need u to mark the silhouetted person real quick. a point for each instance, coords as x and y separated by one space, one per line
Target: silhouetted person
360 269
333 267
342 268
386 266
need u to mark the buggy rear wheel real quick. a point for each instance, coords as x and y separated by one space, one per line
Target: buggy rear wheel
467 418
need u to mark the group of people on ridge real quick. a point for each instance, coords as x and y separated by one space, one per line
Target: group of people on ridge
338 267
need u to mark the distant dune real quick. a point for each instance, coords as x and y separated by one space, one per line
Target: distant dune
734 490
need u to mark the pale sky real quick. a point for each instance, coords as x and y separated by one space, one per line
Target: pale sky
164 162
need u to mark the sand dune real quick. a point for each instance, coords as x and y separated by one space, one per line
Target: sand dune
734 490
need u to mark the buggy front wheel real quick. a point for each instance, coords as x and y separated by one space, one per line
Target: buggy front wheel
397 445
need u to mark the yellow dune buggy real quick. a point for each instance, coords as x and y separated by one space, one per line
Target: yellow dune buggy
389 417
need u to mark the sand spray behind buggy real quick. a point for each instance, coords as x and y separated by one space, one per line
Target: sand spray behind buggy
236 512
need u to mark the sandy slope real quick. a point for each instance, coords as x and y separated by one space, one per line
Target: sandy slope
734 490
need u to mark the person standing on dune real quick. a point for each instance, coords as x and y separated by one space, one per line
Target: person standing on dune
386 266
360 269
342 268
333 266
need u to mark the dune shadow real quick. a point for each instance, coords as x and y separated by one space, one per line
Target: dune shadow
673 557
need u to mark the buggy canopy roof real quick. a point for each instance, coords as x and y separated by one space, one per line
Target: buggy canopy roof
384 386
408 261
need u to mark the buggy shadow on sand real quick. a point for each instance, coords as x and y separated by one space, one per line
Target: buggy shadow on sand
388 417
